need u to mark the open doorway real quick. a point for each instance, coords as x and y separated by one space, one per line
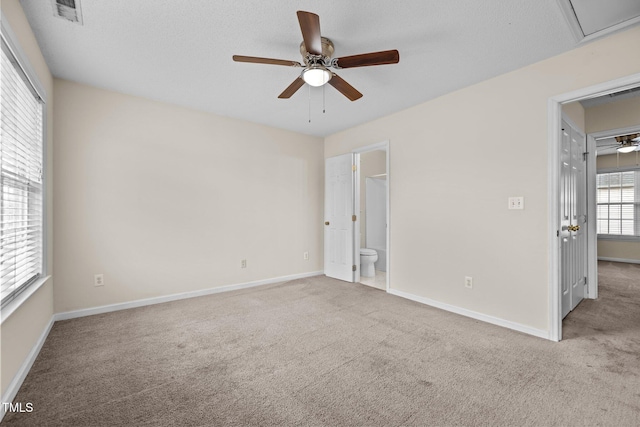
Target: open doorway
610 314
346 232
595 220
372 202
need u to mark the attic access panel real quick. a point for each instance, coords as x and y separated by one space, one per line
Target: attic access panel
598 17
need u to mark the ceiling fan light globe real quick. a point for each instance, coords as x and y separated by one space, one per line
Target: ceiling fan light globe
316 76
627 148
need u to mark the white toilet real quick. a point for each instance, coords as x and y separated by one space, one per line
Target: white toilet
367 258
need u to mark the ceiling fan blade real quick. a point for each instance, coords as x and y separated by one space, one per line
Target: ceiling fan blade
344 88
310 27
293 88
367 59
256 60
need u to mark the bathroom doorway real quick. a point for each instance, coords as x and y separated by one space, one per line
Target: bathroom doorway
372 209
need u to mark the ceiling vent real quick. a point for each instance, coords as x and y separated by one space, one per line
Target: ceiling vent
67 9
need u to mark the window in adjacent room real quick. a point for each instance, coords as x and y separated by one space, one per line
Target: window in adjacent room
21 177
618 203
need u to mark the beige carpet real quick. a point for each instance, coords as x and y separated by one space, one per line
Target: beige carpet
323 352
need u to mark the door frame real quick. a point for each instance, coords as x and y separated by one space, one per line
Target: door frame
379 146
592 232
554 124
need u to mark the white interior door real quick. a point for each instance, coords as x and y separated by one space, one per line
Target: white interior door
339 255
574 218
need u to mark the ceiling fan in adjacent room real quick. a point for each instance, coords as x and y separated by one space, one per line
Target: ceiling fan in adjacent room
623 144
317 58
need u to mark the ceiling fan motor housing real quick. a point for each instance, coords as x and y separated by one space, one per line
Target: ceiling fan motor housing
327 53
634 137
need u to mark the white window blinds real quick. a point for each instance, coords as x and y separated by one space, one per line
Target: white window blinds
618 203
21 200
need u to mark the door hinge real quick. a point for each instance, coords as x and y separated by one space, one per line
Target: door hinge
557 233
353 218
354 168
353 268
584 156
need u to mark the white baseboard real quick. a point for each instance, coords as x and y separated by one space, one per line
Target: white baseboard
629 261
18 379
174 297
474 315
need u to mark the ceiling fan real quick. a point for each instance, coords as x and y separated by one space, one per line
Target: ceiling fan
316 54
624 143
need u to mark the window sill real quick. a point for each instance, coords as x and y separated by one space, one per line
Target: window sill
619 238
13 306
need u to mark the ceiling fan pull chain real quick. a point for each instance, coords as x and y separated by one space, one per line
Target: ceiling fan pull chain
323 99
309 103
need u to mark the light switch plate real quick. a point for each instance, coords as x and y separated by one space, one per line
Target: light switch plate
516 202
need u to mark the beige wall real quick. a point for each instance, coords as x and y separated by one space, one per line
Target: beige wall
20 332
371 163
617 161
164 200
442 233
575 112
616 115
619 250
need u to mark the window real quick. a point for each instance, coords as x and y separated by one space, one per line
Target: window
21 177
618 203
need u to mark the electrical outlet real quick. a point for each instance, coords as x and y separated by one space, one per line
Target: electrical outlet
306 256
243 263
98 280
468 282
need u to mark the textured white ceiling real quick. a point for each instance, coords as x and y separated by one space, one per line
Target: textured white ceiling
180 51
